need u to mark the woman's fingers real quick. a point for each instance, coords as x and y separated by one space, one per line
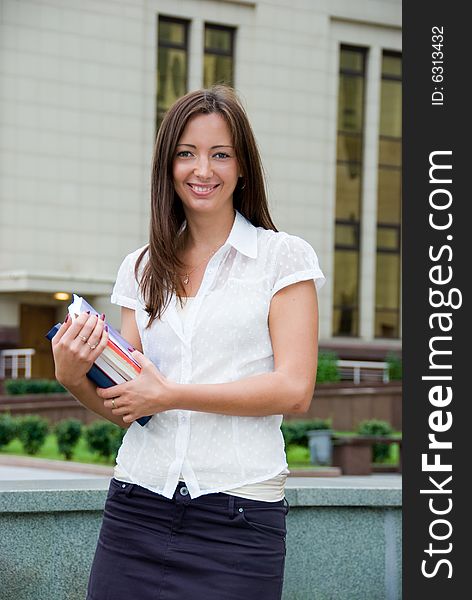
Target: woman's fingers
61 331
84 335
92 337
99 343
77 325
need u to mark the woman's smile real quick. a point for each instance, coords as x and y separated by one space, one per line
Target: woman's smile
202 191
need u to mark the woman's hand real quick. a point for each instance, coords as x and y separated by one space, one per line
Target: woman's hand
148 394
76 346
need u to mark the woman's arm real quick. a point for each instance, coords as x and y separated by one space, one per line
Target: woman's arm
293 326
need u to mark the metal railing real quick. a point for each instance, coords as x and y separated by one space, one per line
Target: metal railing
15 360
364 370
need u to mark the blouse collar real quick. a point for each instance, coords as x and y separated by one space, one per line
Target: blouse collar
243 236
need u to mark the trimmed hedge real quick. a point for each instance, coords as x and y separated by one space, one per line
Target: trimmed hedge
8 429
32 432
68 433
19 387
104 438
327 370
381 452
395 370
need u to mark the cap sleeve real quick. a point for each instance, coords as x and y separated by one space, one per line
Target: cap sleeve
296 261
125 289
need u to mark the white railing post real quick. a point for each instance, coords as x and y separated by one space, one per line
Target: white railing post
14 367
357 374
386 375
28 366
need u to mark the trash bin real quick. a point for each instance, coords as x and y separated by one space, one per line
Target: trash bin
321 446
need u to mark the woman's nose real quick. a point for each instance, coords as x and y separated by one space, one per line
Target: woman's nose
203 168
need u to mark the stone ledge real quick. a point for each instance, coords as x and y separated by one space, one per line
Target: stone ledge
89 495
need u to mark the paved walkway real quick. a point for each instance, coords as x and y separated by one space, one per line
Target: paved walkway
24 468
21 468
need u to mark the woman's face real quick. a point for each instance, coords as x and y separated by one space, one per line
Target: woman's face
205 169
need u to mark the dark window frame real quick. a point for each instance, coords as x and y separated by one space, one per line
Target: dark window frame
220 27
390 225
175 46
357 231
361 73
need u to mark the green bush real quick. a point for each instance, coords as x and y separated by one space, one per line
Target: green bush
32 432
8 429
394 366
104 438
294 432
327 367
381 452
68 433
16 387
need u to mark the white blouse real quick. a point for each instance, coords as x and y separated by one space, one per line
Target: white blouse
225 337
269 490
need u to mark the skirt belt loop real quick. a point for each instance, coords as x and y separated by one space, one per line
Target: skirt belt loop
129 489
287 506
231 506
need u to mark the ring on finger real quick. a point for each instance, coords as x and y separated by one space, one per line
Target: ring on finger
83 338
92 346
113 403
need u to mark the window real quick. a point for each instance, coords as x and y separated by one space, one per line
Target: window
387 283
218 63
348 191
172 63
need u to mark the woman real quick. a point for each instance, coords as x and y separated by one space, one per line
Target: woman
222 310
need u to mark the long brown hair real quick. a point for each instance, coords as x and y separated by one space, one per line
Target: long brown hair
159 279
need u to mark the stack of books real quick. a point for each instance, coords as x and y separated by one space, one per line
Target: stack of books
115 364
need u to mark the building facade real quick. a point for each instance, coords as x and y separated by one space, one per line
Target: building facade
83 87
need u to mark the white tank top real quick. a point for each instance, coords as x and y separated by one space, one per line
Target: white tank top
270 490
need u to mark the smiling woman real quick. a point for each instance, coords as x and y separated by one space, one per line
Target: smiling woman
224 309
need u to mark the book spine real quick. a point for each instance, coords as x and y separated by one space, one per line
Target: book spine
114 348
119 368
109 370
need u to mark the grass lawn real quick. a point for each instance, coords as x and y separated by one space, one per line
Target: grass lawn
49 450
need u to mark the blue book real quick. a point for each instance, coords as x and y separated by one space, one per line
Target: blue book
96 375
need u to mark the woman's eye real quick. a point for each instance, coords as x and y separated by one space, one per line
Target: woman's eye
221 155
184 154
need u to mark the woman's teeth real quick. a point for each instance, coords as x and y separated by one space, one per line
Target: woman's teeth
201 188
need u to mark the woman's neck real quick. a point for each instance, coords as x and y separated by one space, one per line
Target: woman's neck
208 231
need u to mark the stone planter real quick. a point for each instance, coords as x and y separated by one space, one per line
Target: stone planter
321 446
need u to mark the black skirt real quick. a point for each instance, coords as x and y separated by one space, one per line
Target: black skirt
215 547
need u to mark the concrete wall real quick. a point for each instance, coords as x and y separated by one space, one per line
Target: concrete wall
343 543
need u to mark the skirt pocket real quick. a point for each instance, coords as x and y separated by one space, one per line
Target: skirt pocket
269 520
